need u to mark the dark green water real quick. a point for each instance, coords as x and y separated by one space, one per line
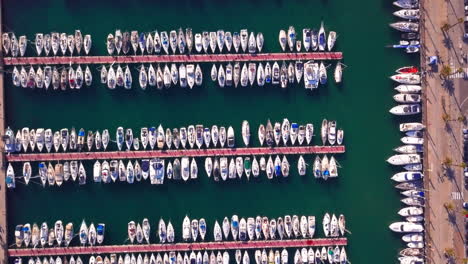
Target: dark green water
364 192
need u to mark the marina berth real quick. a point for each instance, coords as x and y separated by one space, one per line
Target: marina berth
260 232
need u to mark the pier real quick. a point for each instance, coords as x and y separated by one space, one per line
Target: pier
176 58
173 153
228 245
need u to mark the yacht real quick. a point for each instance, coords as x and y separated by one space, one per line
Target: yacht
406 78
410 14
404 159
406 227
406 109
405 26
402 88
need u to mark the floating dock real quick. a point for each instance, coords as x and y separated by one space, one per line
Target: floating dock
180 58
173 153
228 245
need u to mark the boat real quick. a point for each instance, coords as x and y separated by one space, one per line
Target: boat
217 232
282 39
331 40
246 132
324 131
220 39
252 45
323 74
59 232
291 37
277 132
407 98
406 78
411 211
284 76
321 38
408 88
406 227
221 77
404 159
409 149
326 224
111 78
214 72
230 137
244 35
406 109
406 3
405 26
139 234
405 127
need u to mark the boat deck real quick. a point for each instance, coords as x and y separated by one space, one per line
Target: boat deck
172 153
228 245
180 58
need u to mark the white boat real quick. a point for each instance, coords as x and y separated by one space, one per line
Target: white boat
194 229
291 37
408 88
412 140
411 211
186 234
331 132
405 26
218 236
407 176
252 45
326 224
407 98
404 159
408 149
331 40
198 42
406 109
406 3
406 227
406 78
324 131
213 41
260 41
246 133
321 38
221 76
410 14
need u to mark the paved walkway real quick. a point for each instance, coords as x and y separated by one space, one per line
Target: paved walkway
442 140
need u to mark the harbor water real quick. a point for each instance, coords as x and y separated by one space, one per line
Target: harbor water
363 191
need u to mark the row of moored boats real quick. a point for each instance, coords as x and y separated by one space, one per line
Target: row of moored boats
56 78
194 136
250 73
410 183
59 235
301 256
157 170
49 44
409 90
410 26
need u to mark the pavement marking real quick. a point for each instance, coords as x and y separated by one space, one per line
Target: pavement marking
457 196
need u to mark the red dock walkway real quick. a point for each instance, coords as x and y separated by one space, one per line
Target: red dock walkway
228 245
141 154
181 58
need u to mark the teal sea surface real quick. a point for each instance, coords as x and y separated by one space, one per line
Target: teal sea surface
363 191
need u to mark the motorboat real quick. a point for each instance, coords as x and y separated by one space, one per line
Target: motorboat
404 159
407 98
411 211
408 88
230 137
406 227
409 149
405 127
406 109
407 176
